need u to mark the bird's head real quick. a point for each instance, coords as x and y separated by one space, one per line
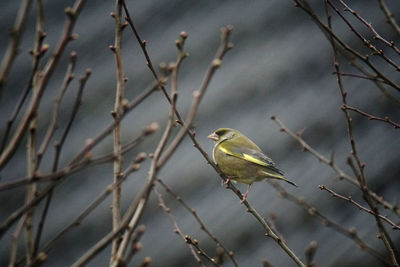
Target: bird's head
223 134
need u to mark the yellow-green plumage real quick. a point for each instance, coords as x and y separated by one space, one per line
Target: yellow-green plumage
241 159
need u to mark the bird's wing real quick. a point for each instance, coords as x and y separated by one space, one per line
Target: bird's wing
250 155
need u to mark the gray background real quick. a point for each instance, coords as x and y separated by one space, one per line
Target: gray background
281 64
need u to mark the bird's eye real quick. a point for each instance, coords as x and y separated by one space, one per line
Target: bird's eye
220 132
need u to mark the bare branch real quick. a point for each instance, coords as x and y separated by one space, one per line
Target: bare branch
341 174
199 221
389 16
116 113
313 211
178 231
12 48
352 201
72 14
372 117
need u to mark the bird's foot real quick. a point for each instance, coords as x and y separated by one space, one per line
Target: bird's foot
228 179
245 194
244 197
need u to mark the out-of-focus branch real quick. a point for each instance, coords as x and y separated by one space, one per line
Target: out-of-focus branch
58 145
62 174
177 230
341 174
225 46
135 166
154 168
72 14
310 253
116 113
32 161
12 49
136 245
37 52
14 243
200 251
107 131
352 201
135 211
366 77
313 211
199 221
389 16
69 76
361 177
303 4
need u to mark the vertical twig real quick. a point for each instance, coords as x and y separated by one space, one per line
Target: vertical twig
199 221
12 146
58 147
75 163
177 230
31 143
14 242
12 49
389 16
116 113
69 76
31 188
135 211
361 165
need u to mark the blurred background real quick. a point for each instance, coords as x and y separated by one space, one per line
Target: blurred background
281 65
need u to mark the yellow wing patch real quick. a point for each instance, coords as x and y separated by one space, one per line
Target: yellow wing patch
244 156
226 151
254 160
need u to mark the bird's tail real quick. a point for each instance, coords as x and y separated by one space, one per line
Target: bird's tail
279 177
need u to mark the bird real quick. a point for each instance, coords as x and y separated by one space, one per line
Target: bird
241 160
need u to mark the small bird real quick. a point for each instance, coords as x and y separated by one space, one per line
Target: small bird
241 160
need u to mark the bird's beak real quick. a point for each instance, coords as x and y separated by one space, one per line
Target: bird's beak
213 137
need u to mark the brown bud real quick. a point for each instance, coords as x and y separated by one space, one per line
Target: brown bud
153 127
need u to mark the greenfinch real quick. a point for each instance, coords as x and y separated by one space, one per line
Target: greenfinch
241 160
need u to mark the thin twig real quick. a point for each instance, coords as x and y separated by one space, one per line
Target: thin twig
352 201
69 76
201 251
369 26
12 49
372 117
199 221
136 245
58 176
135 166
225 46
313 211
116 113
385 237
177 230
14 242
310 253
150 183
135 210
303 4
58 147
341 174
269 232
375 79
389 16
32 162
72 14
